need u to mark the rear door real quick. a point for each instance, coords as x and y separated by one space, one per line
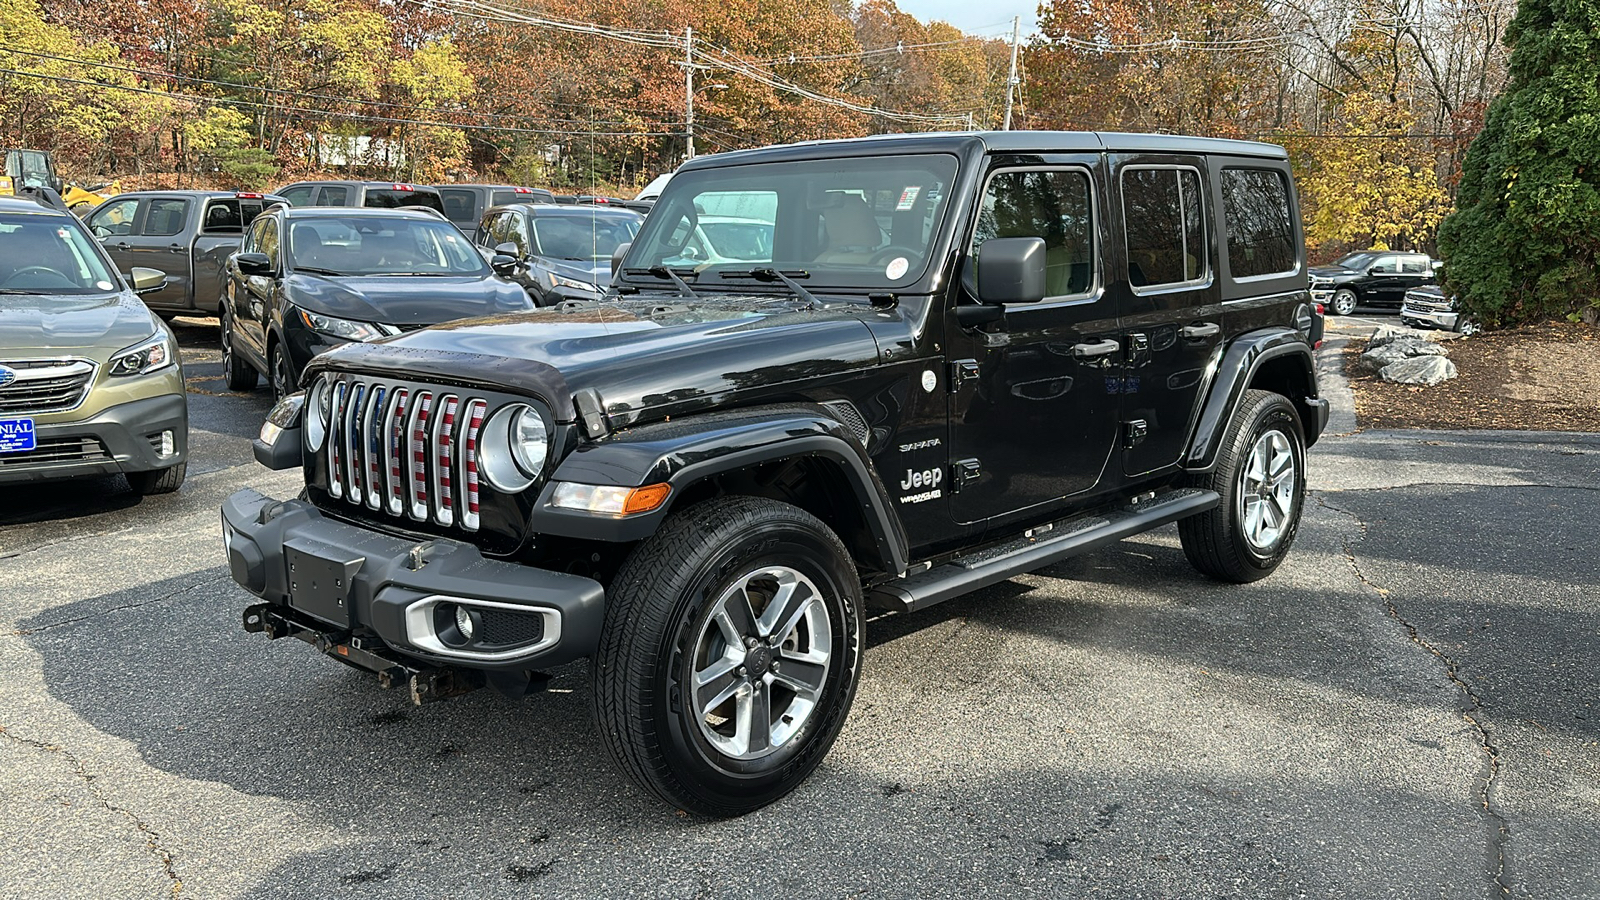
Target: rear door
163 239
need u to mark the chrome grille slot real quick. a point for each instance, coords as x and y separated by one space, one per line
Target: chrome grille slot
418 466
352 428
394 429
471 424
374 441
336 439
46 385
444 511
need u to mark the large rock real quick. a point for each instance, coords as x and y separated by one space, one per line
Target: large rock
1396 349
1387 335
1426 370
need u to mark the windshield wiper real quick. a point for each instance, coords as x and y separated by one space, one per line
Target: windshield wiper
20 291
664 272
313 270
770 275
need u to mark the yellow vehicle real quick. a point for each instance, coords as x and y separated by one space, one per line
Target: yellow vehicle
80 199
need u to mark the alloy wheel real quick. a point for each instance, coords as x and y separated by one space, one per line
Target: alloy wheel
1267 490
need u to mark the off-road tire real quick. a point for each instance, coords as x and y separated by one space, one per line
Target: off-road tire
158 481
241 376
1343 302
1215 541
656 610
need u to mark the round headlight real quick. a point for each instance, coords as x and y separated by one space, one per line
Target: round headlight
318 410
515 443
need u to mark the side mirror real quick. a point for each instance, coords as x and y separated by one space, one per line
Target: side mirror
254 264
502 264
506 248
147 281
1011 270
616 257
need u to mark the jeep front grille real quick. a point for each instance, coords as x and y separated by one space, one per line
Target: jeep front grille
405 450
46 385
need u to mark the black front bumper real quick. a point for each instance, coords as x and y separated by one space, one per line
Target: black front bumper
338 581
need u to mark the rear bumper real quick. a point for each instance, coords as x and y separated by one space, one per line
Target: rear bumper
121 438
346 582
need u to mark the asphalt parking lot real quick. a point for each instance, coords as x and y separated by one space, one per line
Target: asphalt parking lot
1407 709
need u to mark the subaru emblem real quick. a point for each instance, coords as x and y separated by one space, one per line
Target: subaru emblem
7 376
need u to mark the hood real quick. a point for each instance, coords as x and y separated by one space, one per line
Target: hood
596 273
1337 273
643 354
93 326
405 299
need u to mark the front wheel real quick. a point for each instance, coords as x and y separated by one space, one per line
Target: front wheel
278 369
1344 302
730 654
158 481
240 375
1260 475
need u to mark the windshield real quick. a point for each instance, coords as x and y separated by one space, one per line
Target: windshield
376 245
49 255
1357 261
850 222
586 237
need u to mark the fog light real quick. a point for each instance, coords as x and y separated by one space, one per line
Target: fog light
168 447
464 623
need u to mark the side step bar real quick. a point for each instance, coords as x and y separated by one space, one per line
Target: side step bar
996 564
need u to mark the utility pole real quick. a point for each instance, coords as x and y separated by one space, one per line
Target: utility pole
1011 80
688 90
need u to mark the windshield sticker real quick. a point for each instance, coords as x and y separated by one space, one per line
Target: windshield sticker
908 198
897 267
103 285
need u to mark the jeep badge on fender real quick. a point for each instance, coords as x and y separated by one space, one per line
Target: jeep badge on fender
703 479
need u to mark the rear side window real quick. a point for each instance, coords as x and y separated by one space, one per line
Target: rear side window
334 195
223 217
384 198
165 216
298 196
1255 205
460 206
1161 210
1414 265
497 198
1053 205
267 240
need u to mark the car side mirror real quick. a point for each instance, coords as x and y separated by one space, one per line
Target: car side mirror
503 264
254 264
147 281
506 248
1011 270
616 257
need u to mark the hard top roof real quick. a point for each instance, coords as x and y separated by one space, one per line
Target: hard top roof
345 212
267 195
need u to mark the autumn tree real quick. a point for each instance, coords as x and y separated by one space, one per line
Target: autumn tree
1524 242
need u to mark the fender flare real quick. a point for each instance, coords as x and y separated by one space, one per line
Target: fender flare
689 451
1239 364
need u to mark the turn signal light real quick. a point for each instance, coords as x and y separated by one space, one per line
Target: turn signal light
610 499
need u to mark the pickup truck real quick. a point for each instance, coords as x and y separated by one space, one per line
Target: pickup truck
188 235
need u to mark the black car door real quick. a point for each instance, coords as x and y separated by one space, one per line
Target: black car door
252 295
1034 397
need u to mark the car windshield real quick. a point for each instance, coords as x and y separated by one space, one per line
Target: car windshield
581 235
1357 261
49 255
863 222
381 245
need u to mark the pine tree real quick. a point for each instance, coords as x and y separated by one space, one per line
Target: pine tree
1524 241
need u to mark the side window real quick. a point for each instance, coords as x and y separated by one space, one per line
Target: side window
267 240
115 217
1053 205
1414 265
333 195
252 237
460 205
222 217
165 216
298 196
1385 265
1161 211
1255 205
517 232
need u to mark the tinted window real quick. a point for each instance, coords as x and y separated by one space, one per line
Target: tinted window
1415 265
297 196
387 198
1385 265
1255 204
1161 212
1050 205
223 217
115 217
334 196
267 240
496 198
461 206
164 217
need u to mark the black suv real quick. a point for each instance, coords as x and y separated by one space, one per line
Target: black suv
963 357
375 194
1370 278
562 252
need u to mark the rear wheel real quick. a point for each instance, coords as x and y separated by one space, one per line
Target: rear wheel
241 375
730 654
159 481
1260 476
1343 303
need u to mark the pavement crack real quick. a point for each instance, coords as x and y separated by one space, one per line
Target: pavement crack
23 632
152 838
1472 712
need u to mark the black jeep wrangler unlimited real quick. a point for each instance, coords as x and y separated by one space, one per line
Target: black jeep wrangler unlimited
916 366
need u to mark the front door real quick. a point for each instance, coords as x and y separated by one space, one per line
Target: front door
1034 397
1172 312
112 223
162 242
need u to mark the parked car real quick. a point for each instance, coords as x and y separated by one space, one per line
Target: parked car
562 252
1370 278
187 235
465 204
374 194
90 380
1428 307
305 280
704 479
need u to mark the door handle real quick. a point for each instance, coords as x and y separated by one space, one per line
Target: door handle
1098 348
1203 330
123 245
175 248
